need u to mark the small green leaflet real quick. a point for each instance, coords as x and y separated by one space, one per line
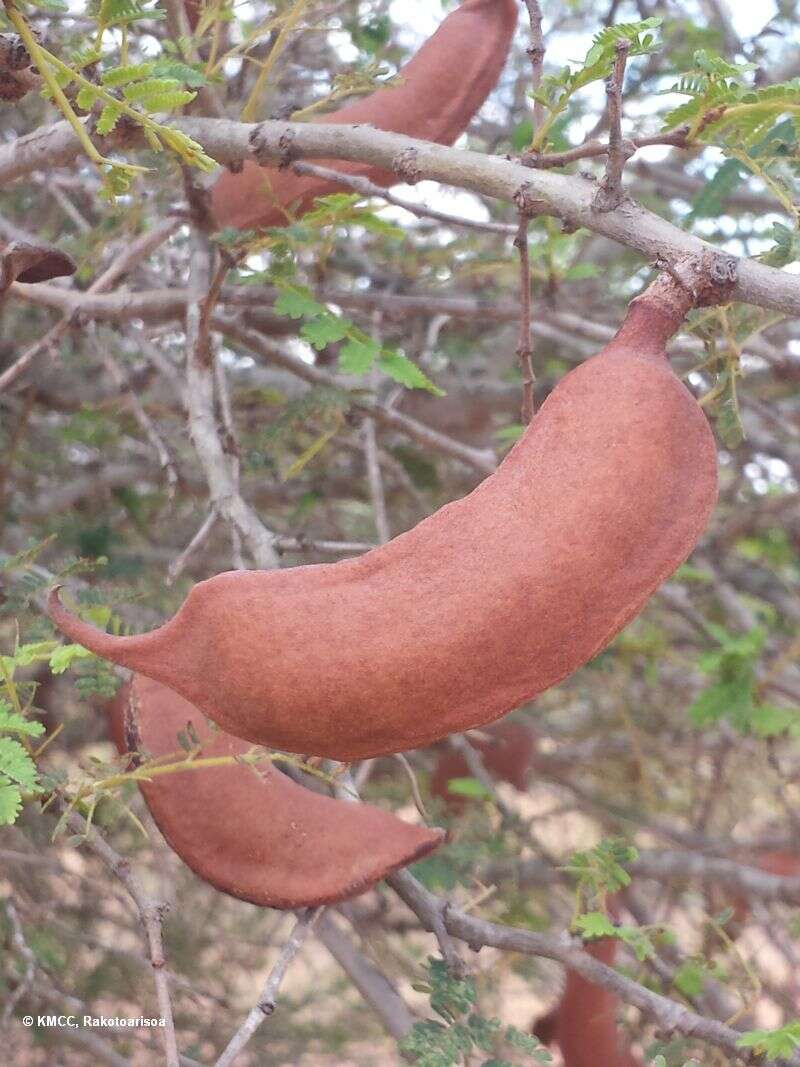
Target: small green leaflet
172 68
724 700
109 117
11 722
510 433
402 370
468 787
595 925
298 304
773 1043
357 357
119 12
768 720
10 802
709 201
123 75
690 978
65 655
17 765
361 352
324 330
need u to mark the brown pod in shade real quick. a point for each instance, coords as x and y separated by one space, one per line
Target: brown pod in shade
193 10
508 751
22 261
480 607
442 88
584 1024
780 862
250 832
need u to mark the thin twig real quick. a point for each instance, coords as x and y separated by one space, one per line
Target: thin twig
137 409
151 913
130 256
535 52
481 460
592 149
374 477
368 188
524 344
26 954
432 912
412 781
477 769
177 567
670 1016
609 193
221 474
267 999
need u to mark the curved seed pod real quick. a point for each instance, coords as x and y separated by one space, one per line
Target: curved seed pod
252 832
586 1028
443 87
508 752
484 604
21 261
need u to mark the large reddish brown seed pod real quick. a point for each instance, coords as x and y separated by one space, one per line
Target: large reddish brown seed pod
442 88
252 832
484 604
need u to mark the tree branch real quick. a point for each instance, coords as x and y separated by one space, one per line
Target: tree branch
151 912
567 197
220 472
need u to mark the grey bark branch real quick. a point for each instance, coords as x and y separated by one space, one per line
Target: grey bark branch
565 196
670 1016
222 479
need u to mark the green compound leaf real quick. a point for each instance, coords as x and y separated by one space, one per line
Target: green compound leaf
17 765
10 802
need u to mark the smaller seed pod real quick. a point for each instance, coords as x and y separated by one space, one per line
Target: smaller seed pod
508 751
441 88
249 830
22 261
780 862
584 1022
586 1029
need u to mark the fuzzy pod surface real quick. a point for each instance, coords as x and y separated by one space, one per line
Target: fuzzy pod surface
252 832
442 88
483 605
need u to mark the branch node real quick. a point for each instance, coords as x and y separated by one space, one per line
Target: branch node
527 203
405 165
262 146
